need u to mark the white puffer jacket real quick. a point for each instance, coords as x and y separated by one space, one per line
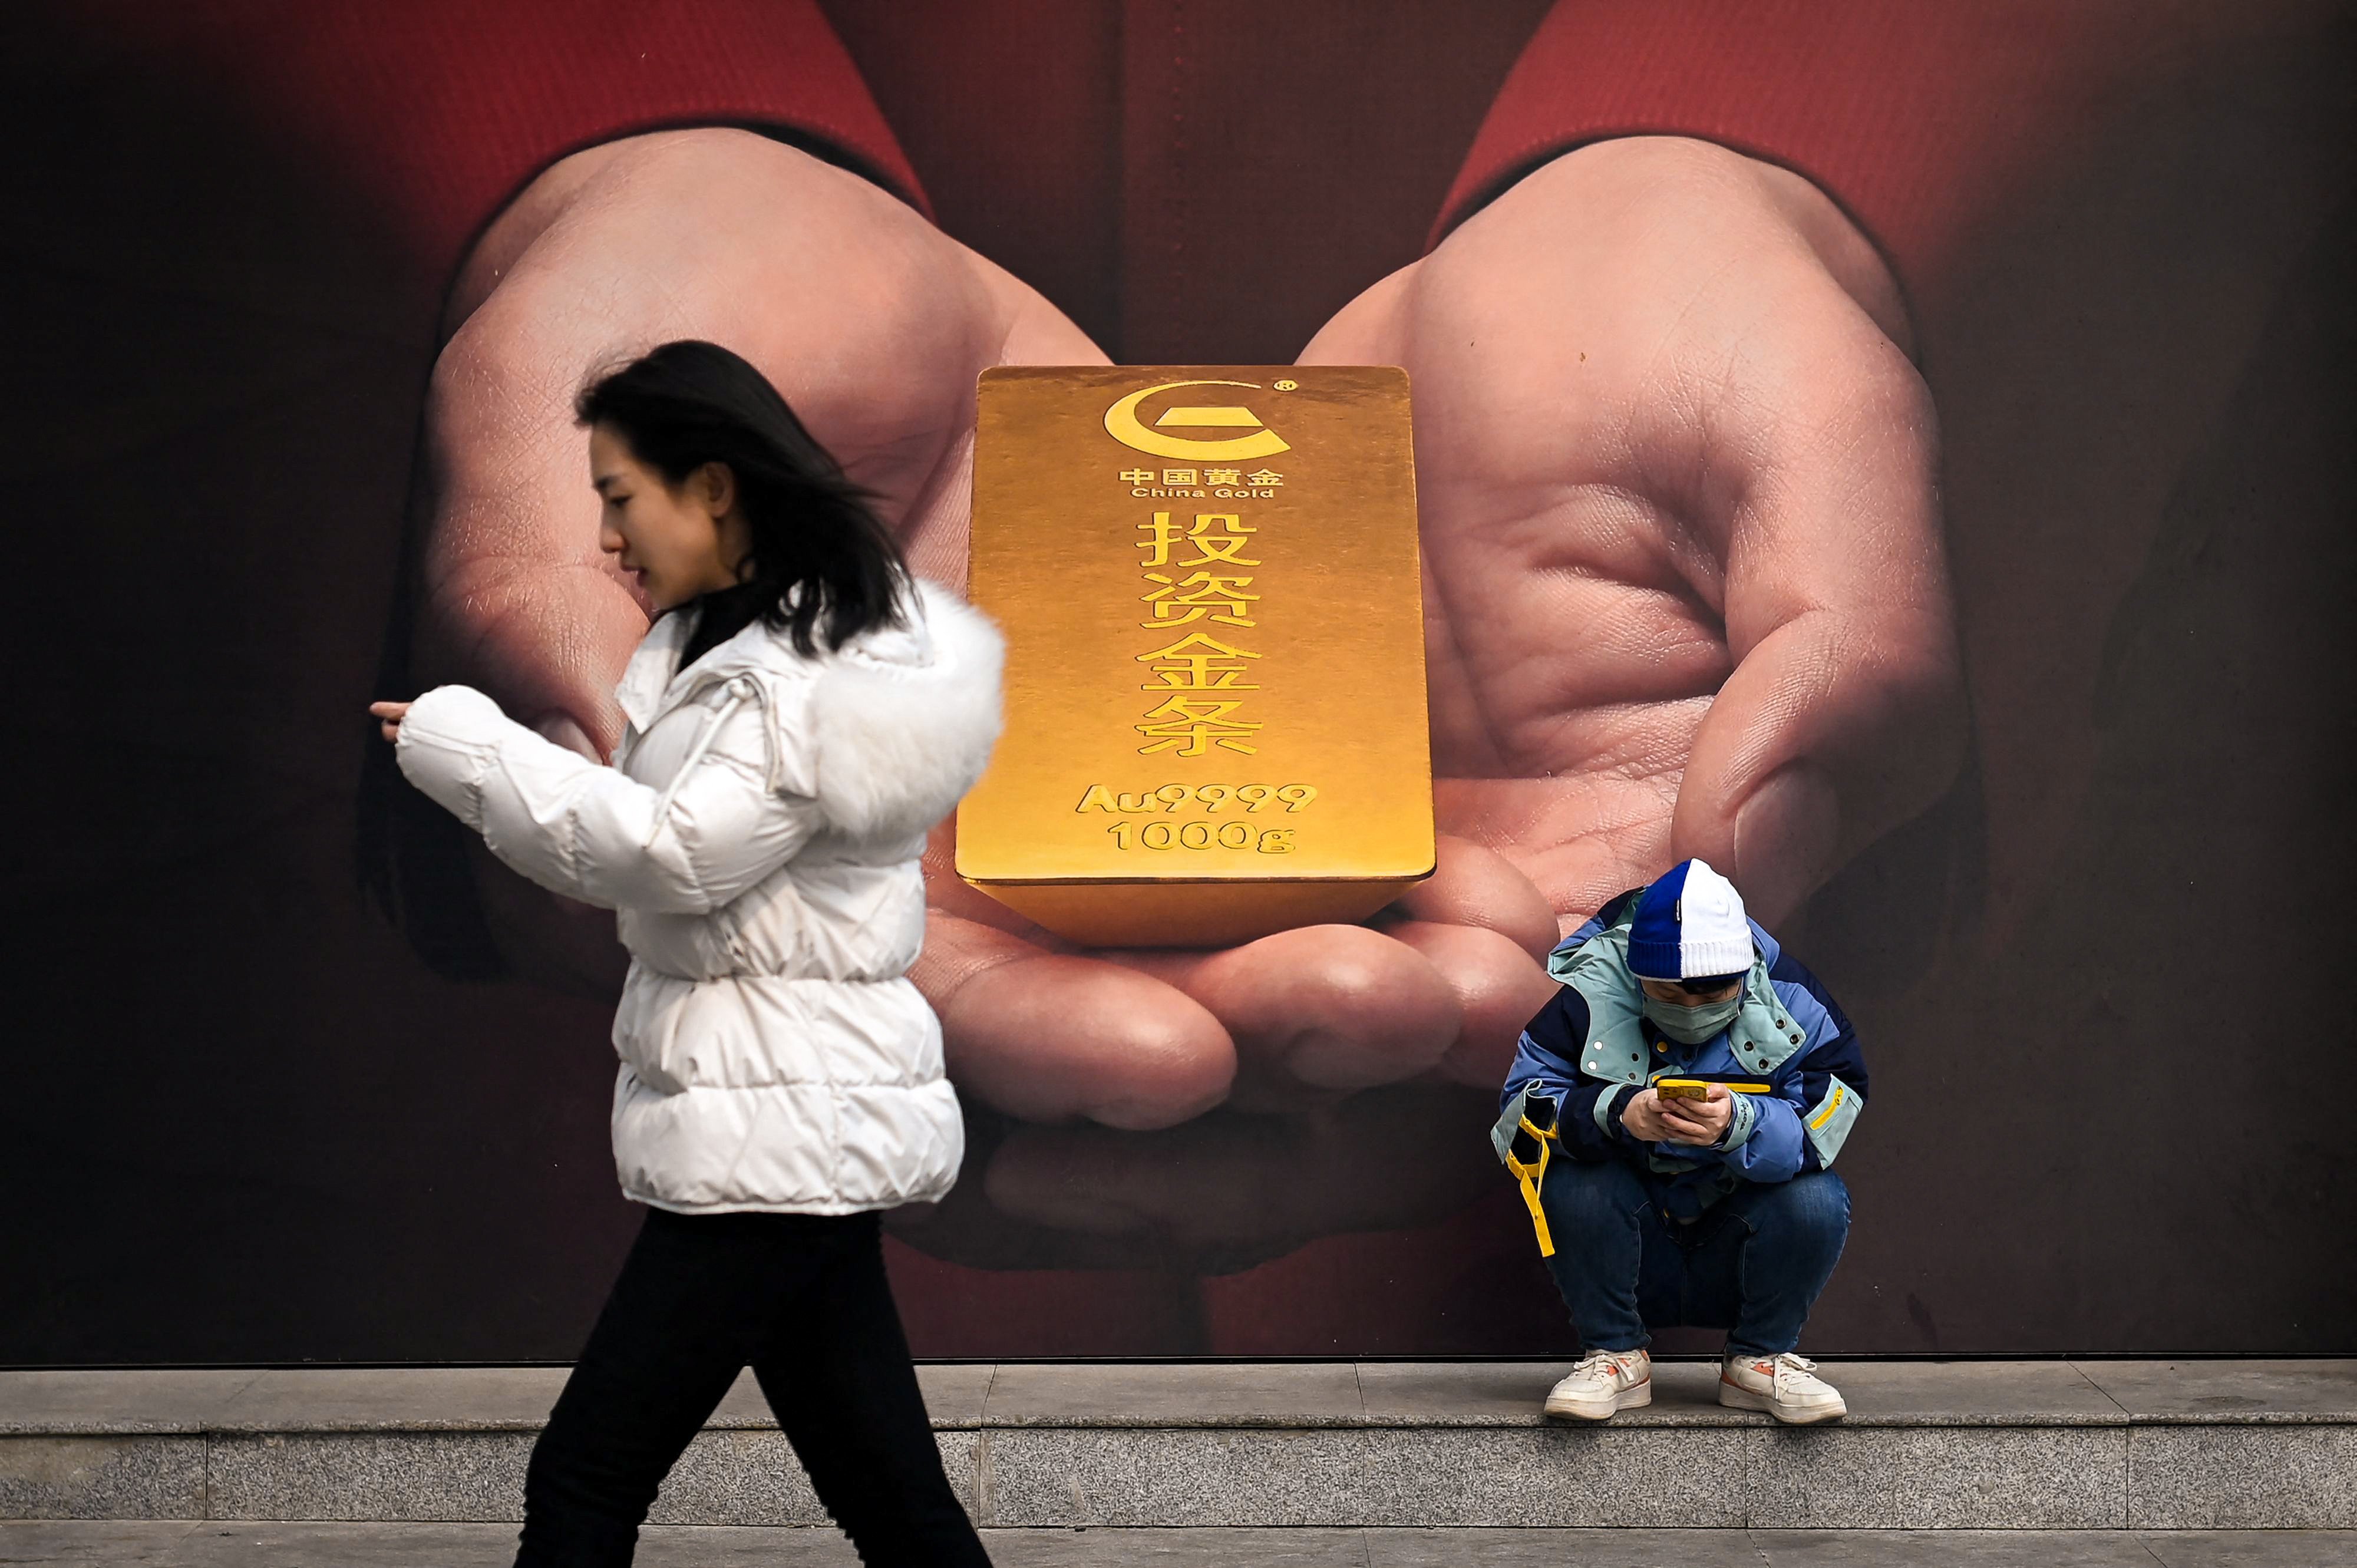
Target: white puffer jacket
759 834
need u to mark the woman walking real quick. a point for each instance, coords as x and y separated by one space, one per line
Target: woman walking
802 711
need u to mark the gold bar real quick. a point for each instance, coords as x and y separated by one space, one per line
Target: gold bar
1209 582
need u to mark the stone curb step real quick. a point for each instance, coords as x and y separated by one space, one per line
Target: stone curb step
1997 1446
158 1544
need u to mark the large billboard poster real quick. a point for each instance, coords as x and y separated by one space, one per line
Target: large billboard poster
1900 453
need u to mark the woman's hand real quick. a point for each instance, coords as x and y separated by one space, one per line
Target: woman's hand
389 717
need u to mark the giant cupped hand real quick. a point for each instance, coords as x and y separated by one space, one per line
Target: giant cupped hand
876 326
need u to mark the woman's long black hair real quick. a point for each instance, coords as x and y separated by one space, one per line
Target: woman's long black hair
818 549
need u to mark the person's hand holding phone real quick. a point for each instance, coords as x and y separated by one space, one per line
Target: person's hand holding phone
1645 1118
1700 1121
1661 1119
388 716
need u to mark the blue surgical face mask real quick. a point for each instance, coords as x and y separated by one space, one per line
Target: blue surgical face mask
1693 1026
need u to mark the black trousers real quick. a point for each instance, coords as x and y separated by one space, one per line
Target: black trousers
802 1299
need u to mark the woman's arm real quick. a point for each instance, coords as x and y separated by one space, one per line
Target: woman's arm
590 832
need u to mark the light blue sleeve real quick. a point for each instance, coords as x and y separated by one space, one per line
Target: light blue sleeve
1772 1150
1787 1133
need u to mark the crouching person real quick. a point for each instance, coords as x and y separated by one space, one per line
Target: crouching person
1673 1115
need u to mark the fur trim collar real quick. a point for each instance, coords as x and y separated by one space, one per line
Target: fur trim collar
900 722
905 720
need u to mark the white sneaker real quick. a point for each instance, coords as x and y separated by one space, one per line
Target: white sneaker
1605 1382
1786 1387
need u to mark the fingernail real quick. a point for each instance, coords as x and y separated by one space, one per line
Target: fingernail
560 728
1784 841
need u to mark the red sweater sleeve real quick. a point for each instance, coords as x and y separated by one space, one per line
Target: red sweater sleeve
441 110
1919 116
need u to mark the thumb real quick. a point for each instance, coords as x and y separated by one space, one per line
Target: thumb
1819 743
1843 715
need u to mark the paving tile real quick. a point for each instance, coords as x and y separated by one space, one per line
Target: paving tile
2253 1548
1685 1394
717 1546
244 1544
1512 1393
58 1402
1459 1393
1949 1549
743 1408
2229 1390
1238 1477
954 1396
1575 1475
2054 1477
726 1478
1176 1548
100 1543
103 1477
961 1461
218 1544
377 1545
1969 1393
1045 1478
754 1478
2214 1449
2243 1478
446 1476
1264 1394
674 1546
413 1398
738 1479
497 1399
1561 1549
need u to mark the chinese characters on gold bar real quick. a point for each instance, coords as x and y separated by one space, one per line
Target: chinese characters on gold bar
1269 624
1187 721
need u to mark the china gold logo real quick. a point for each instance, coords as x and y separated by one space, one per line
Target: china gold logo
1121 423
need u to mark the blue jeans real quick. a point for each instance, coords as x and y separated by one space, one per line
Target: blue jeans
1753 1264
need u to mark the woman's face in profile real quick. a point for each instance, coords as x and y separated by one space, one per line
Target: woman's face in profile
669 537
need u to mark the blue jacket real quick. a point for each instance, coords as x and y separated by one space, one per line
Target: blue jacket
1590 1051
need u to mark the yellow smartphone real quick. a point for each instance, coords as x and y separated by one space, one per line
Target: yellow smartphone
1699 1088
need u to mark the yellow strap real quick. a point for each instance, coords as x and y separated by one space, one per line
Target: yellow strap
1530 1175
1840 1092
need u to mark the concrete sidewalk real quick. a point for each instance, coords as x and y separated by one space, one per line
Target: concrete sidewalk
2042 1446
196 1545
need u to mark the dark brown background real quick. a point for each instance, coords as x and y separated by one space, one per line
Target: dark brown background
239 1120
